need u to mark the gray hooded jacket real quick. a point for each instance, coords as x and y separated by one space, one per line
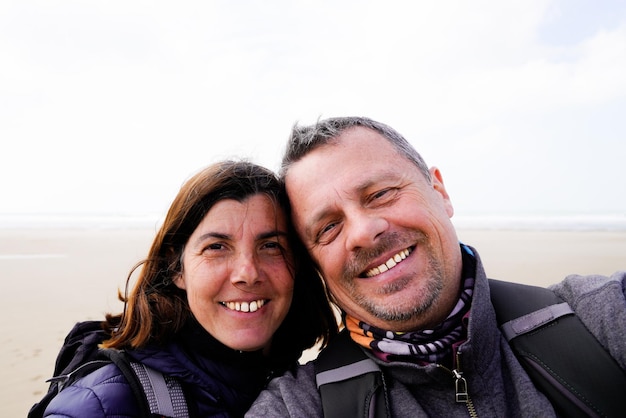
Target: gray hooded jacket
496 382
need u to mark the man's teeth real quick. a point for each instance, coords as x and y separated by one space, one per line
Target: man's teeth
389 264
245 306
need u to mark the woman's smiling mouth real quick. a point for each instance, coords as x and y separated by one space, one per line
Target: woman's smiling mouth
252 306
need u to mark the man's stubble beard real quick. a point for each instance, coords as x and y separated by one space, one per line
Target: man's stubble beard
390 312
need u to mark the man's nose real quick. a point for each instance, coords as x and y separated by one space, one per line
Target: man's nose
363 228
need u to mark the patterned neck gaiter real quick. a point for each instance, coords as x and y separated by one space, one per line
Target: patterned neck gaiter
425 346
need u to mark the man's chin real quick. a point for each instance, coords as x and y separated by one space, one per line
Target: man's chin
401 315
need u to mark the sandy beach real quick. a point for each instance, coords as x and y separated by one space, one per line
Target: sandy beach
56 277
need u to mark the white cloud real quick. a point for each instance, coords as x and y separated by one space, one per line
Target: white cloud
110 100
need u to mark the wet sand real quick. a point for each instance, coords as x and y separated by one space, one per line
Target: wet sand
53 278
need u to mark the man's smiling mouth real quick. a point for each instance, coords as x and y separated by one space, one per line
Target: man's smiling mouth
252 306
389 264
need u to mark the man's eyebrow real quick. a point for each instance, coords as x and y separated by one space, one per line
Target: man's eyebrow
324 212
366 184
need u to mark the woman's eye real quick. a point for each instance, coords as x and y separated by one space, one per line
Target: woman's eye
271 244
214 247
273 248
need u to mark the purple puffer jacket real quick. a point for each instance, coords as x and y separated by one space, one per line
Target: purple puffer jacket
103 393
217 381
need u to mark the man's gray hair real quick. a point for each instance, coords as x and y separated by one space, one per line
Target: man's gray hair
304 139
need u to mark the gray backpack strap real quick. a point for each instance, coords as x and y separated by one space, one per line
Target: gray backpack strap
346 372
164 393
350 383
534 320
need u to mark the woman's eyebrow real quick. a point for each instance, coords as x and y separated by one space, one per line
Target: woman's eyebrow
207 235
272 234
219 235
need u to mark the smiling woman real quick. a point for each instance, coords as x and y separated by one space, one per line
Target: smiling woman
237 272
226 299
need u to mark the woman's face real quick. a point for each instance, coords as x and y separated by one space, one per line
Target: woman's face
236 272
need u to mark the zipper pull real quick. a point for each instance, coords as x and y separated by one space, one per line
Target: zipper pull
460 386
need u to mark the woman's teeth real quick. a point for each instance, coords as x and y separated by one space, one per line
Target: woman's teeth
245 306
389 264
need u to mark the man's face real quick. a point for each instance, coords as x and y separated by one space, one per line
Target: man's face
378 230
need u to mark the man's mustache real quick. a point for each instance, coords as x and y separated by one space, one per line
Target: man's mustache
360 259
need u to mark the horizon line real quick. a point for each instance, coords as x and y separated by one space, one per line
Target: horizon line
476 221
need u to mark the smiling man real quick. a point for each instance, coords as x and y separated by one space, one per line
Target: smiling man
415 301
380 232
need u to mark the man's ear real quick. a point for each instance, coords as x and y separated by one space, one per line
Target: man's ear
437 182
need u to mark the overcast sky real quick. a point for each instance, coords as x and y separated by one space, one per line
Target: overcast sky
108 106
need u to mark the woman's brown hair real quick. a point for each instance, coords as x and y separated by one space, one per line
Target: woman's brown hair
156 309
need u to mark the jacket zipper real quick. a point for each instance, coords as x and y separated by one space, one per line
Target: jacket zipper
461 394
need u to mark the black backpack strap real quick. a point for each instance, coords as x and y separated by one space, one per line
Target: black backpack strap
350 383
564 360
123 363
80 346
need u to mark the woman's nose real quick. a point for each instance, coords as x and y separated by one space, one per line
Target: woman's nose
245 270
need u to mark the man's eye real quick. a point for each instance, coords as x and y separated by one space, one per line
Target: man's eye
380 193
326 233
383 196
327 228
